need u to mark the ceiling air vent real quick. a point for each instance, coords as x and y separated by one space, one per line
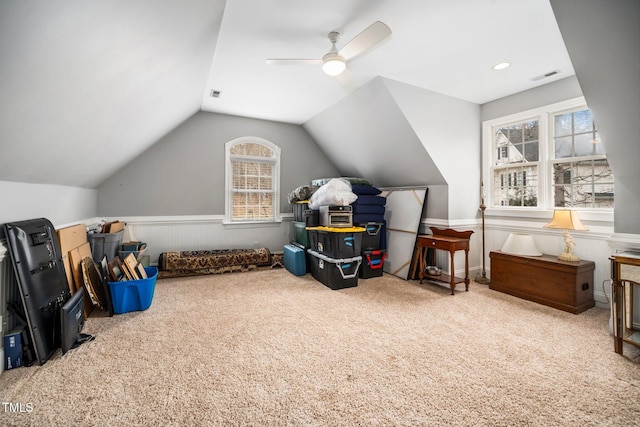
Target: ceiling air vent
214 93
544 76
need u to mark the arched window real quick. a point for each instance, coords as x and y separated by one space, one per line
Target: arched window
252 180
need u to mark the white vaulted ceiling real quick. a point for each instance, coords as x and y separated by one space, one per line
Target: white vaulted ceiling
87 86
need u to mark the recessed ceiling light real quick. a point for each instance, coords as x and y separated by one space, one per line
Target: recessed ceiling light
502 66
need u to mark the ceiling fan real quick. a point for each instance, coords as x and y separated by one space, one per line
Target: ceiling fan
335 62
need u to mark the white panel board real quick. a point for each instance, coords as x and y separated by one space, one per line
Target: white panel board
403 213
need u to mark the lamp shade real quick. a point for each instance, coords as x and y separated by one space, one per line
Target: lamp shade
521 244
566 219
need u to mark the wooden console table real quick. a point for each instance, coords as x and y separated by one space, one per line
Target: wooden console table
625 279
449 240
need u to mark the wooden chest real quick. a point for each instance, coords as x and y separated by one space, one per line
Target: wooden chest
544 279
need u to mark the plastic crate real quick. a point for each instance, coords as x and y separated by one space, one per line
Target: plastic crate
134 295
371 235
336 242
335 273
105 244
372 263
312 217
137 254
298 210
300 233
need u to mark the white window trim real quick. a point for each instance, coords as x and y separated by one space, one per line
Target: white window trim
277 218
545 199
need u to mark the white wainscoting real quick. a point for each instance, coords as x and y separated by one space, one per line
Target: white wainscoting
186 233
590 245
181 233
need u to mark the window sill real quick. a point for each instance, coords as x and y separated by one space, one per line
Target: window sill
252 224
526 213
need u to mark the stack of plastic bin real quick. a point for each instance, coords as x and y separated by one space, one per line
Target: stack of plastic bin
335 255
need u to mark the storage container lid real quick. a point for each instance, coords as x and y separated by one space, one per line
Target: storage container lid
338 230
334 260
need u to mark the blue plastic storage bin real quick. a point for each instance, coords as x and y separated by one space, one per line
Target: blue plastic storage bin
134 295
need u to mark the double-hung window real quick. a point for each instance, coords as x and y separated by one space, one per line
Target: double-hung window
516 163
581 176
547 158
252 180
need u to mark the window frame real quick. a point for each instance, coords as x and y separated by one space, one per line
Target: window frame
275 182
571 160
544 115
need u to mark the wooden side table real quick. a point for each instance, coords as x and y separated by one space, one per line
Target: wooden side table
449 240
625 275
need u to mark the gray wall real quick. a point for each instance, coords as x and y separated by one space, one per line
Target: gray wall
449 130
603 40
60 204
184 172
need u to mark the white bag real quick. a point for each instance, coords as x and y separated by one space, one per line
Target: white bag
336 192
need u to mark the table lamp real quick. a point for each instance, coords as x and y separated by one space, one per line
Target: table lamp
521 244
568 220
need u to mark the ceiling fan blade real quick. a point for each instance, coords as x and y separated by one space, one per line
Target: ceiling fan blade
293 61
369 37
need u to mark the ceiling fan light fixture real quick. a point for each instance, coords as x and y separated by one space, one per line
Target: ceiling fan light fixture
333 64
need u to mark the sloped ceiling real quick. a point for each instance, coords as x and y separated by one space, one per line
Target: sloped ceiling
87 86
367 135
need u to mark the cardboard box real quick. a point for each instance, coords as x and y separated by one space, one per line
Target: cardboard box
75 259
12 350
71 238
113 227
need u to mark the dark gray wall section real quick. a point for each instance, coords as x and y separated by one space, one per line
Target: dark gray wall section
603 40
183 173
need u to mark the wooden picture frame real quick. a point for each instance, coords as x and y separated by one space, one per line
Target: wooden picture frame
130 264
115 270
141 271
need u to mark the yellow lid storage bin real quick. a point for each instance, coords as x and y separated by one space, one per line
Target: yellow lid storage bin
336 242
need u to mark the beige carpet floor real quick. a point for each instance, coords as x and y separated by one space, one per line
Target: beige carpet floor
267 348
